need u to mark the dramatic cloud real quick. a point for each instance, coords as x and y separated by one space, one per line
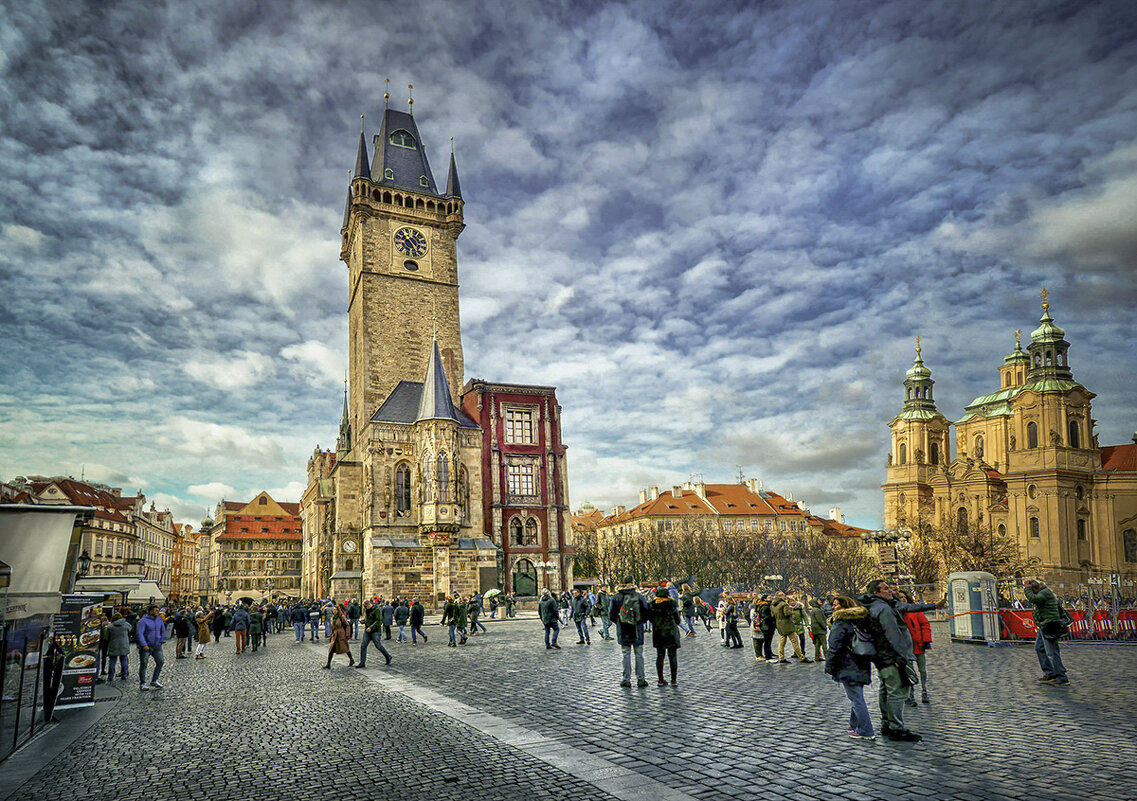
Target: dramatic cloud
716 230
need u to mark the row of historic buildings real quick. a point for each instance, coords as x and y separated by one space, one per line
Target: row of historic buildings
1027 463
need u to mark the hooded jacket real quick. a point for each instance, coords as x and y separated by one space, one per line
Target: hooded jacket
840 661
784 617
627 634
890 633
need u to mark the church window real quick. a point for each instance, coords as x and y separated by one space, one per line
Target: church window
1032 435
519 479
403 488
463 498
1002 530
1007 380
961 517
1081 529
1129 538
443 478
531 531
935 453
427 483
515 532
388 175
410 265
519 426
1031 490
402 139
1034 532
903 453
1074 438
1079 492
422 181
349 564
263 501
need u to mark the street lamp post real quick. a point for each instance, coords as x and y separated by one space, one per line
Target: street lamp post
771 579
889 542
545 567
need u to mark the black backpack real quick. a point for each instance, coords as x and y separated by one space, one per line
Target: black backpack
630 612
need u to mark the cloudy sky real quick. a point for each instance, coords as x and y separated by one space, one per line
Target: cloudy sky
716 228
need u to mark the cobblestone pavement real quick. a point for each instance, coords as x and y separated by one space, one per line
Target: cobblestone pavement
504 718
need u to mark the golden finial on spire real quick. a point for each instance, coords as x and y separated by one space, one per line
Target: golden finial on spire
1045 303
917 345
386 93
451 145
361 123
411 99
1018 337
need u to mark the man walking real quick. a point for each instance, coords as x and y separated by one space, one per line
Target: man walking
151 634
629 612
602 608
581 609
372 625
241 627
353 610
1048 619
418 615
299 620
550 616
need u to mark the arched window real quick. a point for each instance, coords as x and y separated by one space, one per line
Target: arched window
935 453
1081 529
1034 530
1074 438
402 139
349 564
979 446
427 483
1002 530
443 478
903 453
515 535
403 488
524 578
1032 435
463 494
961 517
531 531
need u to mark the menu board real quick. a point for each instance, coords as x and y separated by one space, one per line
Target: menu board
77 635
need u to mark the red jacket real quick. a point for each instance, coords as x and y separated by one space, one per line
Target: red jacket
919 629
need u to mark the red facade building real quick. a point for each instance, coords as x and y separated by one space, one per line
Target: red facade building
524 483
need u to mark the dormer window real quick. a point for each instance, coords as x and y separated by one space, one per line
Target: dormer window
388 174
402 139
422 181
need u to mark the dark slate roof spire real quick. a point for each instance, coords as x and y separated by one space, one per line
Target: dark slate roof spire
346 211
453 189
435 402
400 159
361 160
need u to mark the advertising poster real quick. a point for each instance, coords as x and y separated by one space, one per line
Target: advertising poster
77 636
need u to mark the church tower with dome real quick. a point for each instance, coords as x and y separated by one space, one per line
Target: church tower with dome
1027 463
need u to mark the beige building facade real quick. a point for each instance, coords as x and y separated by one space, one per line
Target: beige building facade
1027 462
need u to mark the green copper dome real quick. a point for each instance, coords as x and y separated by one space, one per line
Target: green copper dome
1048 331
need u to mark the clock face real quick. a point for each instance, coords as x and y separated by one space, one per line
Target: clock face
349 546
410 242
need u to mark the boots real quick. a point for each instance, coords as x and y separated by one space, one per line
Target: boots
924 697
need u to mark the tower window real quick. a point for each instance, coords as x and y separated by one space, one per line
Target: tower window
403 488
1032 435
388 175
1034 527
935 453
515 534
1081 529
443 478
402 139
903 453
530 531
1075 439
410 265
519 426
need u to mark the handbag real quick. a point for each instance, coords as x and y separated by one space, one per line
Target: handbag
863 644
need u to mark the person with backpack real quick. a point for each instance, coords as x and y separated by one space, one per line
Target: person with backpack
848 659
1050 620
550 617
665 633
630 611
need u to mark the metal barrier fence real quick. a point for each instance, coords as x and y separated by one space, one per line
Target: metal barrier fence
1098 626
20 674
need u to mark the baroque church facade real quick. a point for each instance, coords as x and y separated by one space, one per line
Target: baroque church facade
1027 463
402 506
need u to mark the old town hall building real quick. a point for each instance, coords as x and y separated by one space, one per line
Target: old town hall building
1027 463
424 486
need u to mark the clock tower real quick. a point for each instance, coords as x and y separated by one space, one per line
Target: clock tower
399 241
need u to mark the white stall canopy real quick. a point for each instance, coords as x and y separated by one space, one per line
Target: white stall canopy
36 541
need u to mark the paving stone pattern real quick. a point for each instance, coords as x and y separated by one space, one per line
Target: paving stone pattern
273 724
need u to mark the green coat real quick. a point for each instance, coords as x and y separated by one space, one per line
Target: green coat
1045 605
256 622
817 620
460 615
374 621
783 617
799 620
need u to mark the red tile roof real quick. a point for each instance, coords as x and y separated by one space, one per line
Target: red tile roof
1120 458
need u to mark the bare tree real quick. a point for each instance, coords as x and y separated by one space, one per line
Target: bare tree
970 547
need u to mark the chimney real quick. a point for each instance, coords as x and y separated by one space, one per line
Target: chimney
677 491
643 496
790 497
701 490
752 485
687 485
655 493
619 510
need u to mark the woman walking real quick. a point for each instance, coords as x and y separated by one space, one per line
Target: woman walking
852 670
730 618
203 622
339 642
665 634
687 599
118 646
921 632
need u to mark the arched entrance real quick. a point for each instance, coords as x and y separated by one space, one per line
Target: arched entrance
524 578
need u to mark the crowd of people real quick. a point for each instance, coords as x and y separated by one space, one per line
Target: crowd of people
881 629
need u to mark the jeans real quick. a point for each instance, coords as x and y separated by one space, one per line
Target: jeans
892 695
314 630
355 628
123 667
922 667
368 638
605 624
582 630
159 658
1049 658
691 624
639 653
402 633
859 720
768 644
416 629
299 627
475 625
554 627
327 629
452 628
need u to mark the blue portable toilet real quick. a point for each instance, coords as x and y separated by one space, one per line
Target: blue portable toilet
972 607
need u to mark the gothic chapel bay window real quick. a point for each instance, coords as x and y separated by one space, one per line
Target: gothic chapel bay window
519 426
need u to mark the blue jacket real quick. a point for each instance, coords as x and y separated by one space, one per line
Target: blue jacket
240 620
388 614
299 614
840 662
150 631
